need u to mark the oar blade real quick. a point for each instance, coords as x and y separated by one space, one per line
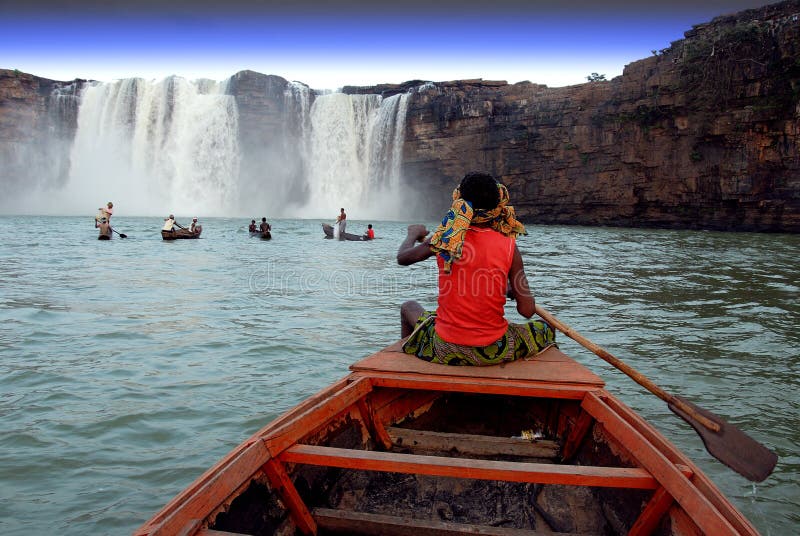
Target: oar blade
730 445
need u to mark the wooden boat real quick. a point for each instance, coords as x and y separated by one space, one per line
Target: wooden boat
266 235
176 234
405 447
328 230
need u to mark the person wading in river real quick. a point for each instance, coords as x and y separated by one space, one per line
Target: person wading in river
479 265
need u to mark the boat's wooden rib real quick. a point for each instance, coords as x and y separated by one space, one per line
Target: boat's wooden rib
282 483
375 427
700 509
348 522
293 431
655 509
471 444
663 445
577 433
534 473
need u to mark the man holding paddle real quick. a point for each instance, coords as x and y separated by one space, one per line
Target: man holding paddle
474 270
478 261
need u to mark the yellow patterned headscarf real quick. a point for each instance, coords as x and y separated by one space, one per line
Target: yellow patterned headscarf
448 238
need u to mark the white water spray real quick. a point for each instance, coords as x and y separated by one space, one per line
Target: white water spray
356 153
155 148
173 146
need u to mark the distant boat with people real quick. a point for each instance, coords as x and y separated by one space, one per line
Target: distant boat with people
265 235
328 230
176 234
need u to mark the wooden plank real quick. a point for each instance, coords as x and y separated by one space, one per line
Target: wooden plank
470 444
578 431
648 520
281 483
362 522
699 479
295 427
482 386
542 473
549 366
699 508
208 492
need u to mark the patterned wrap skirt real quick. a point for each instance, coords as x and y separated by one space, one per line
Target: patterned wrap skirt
519 341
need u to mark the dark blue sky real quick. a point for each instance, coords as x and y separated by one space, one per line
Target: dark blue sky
329 45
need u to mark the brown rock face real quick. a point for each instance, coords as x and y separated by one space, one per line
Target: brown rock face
704 134
37 123
270 134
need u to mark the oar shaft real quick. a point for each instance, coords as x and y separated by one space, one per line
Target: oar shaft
631 372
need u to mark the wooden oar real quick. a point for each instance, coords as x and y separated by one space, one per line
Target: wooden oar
724 441
121 235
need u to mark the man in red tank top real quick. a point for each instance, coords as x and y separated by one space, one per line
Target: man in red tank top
479 265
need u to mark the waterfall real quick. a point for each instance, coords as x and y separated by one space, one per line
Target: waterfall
156 148
178 146
356 155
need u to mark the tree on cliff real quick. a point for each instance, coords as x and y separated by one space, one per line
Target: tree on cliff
594 77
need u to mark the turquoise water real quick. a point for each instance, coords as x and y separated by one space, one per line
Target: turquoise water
128 367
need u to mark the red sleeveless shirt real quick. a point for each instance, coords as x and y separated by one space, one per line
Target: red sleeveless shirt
473 295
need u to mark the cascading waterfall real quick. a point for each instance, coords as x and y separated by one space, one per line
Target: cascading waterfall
175 146
356 153
156 147
386 151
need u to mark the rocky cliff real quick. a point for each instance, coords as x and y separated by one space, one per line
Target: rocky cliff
703 134
37 123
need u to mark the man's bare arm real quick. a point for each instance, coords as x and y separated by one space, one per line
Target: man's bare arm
409 253
518 282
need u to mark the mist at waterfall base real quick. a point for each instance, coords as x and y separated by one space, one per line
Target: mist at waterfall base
173 146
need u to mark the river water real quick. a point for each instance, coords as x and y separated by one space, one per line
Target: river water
128 367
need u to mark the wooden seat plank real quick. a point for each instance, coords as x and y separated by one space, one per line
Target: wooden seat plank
541 473
550 365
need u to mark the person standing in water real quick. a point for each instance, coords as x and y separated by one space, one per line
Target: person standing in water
264 227
253 228
341 220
